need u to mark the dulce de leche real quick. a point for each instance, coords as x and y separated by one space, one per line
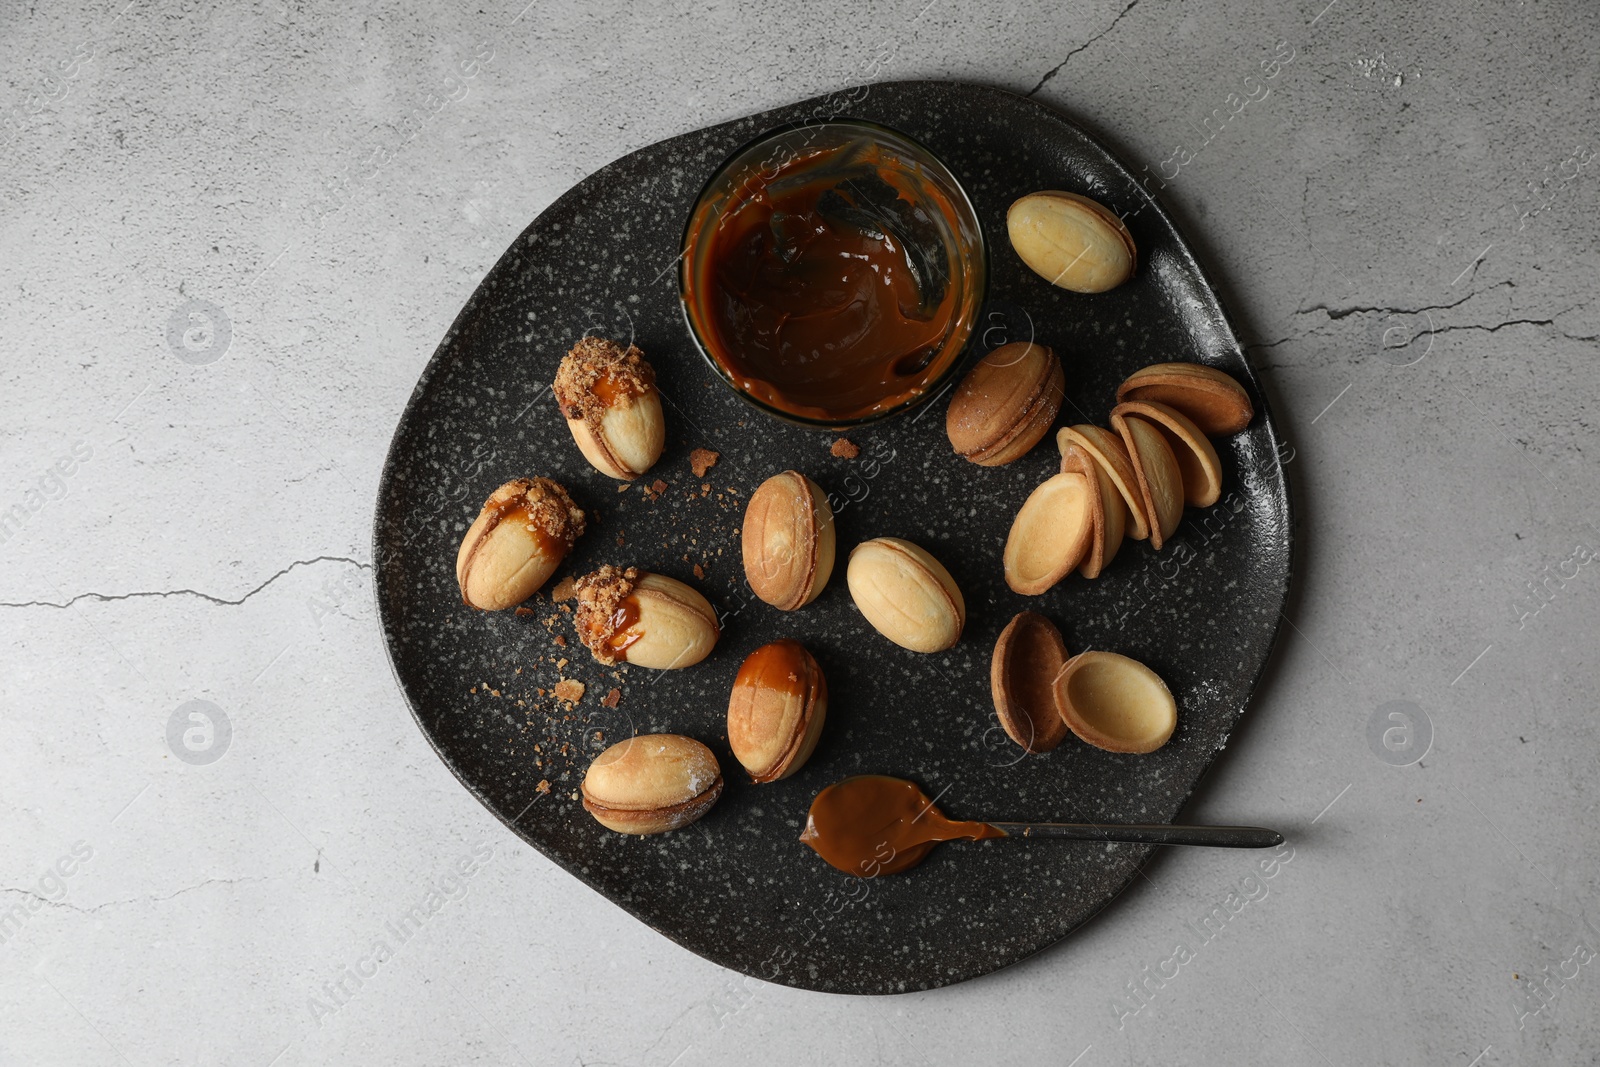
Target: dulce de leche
873 824
827 288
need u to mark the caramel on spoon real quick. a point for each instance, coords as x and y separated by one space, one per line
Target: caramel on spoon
872 824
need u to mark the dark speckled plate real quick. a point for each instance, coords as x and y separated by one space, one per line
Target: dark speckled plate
737 887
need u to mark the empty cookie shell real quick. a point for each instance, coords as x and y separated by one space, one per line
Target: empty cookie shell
1210 398
1156 468
1112 456
1116 703
1198 465
1108 514
1022 674
1050 535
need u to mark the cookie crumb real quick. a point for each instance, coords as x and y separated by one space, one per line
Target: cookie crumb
569 690
658 487
845 448
592 361
561 640
599 596
543 786
699 571
613 698
566 589
523 613
702 460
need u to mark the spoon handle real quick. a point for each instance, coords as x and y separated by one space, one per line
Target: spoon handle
1147 833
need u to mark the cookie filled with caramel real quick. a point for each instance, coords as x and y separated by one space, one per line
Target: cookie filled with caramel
608 396
649 620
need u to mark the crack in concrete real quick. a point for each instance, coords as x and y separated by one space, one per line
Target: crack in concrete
1334 314
151 898
1341 313
1053 71
1498 326
1478 326
108 597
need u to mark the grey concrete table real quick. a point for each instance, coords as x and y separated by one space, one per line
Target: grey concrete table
230 239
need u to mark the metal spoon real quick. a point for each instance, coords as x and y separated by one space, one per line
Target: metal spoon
1146 833
873 824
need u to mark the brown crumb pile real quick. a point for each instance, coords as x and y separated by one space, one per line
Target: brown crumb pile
845 448
599 596
702 460
592 360
543 504
569 690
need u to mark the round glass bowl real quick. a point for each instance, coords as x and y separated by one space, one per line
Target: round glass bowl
831 273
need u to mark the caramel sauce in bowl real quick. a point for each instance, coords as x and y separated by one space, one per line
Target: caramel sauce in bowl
832 273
